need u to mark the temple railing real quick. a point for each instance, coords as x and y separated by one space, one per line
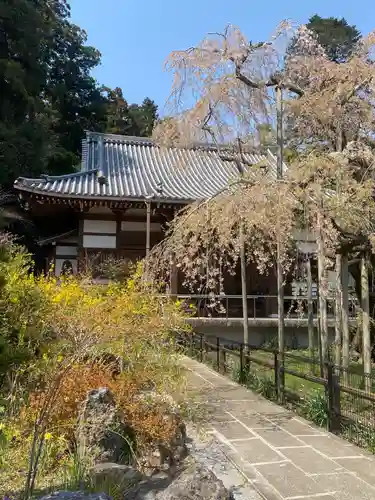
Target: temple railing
259 306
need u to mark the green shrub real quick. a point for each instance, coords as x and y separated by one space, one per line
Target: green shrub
263 385
315 408
22 309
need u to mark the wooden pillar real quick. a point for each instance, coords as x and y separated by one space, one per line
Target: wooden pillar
310 309
366 342
244 288
345 315
148 235
148 228
322 296
280 302
338 313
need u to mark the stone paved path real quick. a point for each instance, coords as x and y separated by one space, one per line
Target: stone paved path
283 457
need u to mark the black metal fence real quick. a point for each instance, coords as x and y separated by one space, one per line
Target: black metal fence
343 400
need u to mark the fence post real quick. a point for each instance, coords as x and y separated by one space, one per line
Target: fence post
277 374
333 396
280 378
191 340
242 375
201 348
218 354
206 351
223 360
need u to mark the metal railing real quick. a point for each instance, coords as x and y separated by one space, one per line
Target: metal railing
259 306
343 399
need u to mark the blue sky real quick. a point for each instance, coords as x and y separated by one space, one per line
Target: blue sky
135 37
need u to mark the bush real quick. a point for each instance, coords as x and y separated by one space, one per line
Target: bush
22 309
80 336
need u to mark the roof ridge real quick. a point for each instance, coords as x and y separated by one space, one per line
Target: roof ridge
148 141
119 138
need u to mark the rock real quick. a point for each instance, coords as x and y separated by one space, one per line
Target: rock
75 495
194 483
101 427
164 456
111 473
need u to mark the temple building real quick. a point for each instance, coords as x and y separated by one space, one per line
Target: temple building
117 205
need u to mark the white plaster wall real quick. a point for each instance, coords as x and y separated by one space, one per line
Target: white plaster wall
66 250
128 225
100 210
99 241
71 239
99 226
140 212
59 263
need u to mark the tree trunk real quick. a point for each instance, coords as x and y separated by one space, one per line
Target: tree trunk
338 314
345 316
310 310
365 303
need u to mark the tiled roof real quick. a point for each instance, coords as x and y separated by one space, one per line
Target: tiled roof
128 168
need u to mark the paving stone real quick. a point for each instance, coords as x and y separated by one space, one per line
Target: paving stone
217 418
310 461
320 497
363 467
289 481
255 451
299 428
271 410
254 477
233 430
247 470
266 490
346 486
332 447
278 438
254 421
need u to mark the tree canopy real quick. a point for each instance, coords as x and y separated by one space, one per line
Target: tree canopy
230 80
48 96
336 36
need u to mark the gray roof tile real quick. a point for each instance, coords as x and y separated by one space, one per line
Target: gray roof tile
135 168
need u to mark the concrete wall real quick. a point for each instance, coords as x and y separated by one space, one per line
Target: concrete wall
260 332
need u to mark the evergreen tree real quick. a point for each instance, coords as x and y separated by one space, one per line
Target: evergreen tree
48 96
336 36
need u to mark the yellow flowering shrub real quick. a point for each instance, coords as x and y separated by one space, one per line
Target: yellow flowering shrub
81 336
